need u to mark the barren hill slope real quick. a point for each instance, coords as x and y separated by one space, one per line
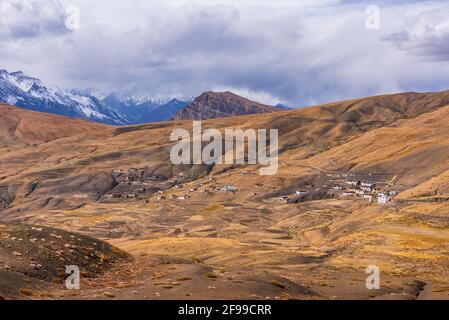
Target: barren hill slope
23 127
399 141
211 105
81 164
33 256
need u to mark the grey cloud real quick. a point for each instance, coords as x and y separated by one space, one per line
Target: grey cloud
297 55
31 18
432 44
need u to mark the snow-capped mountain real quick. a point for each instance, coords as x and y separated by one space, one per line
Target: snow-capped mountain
145 109
20 90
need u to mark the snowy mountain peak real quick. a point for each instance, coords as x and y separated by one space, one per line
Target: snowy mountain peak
19 89
18 78
18 74
132 100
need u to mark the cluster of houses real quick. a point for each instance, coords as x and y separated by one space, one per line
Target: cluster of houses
209 191
367 190
132 175
173 197
131 183
373 192
117 196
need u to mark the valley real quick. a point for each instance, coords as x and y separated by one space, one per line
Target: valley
224 231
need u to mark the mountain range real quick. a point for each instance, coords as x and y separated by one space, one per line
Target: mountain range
24 91
143 110
118 109
20 90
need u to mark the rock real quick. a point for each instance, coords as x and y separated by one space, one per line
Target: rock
109 295
26 291
17 254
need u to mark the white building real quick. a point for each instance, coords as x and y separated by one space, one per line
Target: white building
229 188
367 184
383 199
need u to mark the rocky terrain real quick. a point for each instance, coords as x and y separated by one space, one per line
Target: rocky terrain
211 105
224 231
33 258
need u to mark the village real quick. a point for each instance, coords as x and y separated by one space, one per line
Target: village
133 184
230 189
138 184
347 186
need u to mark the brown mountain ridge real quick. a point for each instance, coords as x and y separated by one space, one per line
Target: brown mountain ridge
211 105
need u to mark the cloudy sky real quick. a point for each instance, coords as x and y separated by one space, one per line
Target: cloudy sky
296 52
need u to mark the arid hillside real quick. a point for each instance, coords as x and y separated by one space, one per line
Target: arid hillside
308 231
23 128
